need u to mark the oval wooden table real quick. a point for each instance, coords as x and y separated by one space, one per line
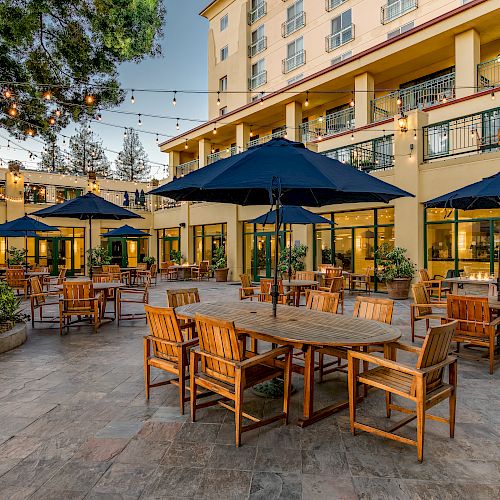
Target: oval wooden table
302 329
297 287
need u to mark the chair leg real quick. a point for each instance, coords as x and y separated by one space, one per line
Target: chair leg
388 401
192 386
321 363
492 353
182 379
453 397
147 368
287 383
238 405
412 323
353 367
420 392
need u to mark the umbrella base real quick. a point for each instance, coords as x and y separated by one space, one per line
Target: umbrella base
272 389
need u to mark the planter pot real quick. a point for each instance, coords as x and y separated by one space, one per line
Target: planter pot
221 274
96 269
12 337
399 288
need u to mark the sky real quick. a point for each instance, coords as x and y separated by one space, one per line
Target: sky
182 65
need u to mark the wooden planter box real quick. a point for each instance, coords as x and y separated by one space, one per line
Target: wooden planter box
221 274
399 288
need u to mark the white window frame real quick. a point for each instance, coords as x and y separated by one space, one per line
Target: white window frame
223 84
224 50
224 22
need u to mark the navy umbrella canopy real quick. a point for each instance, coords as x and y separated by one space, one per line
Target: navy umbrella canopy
125 231
291 215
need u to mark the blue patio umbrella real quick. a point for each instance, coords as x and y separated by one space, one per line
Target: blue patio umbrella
136 197
126 201
125 231
279 172
142 198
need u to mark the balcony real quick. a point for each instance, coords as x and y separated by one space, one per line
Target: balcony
186 168
332 4
292 25
336 40
257 47
257 80
295 61
399 8
220 155
419 96
488 74
255 14
467 135
377 154
267 138
334 123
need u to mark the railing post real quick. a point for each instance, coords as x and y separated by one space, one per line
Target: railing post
467 57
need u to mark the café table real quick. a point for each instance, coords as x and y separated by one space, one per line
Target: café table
132 272
183 272
455 282
302 329
297 287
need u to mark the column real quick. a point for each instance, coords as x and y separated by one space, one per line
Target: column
409 212
242 136
293 114
174 159
204 149
364 86
234 243
14 199
186 234
467 57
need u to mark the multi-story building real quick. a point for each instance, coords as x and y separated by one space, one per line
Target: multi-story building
401 89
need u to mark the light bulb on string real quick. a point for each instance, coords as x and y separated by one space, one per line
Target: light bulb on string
493 96
307 99
12 112
58 112
139 121
52 121
218 98
89 99
352 137
99 117
132 98
47 95
415 135
445 100
8 144
156 138
399 101
7 94
125 133
352 102
186 144
177 124
214 131
174 100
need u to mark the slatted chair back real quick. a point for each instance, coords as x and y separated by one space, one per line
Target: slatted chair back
16 266
424 275
337 285
142 266
246 285
219 338
111 269
102 278
435 350
163 324
62 275
41 269
153 271
37 291
77 295
182 297
421 296
204 266
323 301
473 315
305 275
265 289
15 278
375 309
323 267
333 272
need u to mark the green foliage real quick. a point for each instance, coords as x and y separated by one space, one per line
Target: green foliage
98 256
132 162
10 306
176 256
73 47
16 256
298 255
219 259
148 260
392 263
87 154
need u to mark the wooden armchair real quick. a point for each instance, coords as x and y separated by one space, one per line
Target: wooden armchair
142 266
360 282
247 291
167 349
49 281
225 371
136 295
183 297
336 286
265 291
79 299
40 299
423 384
423 308
331 273
16 279
323 301
475 325
117 273
436 287
202 271
165 271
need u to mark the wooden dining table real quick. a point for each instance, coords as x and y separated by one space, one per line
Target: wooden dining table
297 287
302 329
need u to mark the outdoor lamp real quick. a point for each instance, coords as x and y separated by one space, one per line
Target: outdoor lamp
403 123
15 177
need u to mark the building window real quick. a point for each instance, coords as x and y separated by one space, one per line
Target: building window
206 239
295 18
34 193
402 29
224 21
224 53
223 84
169 243
342 31
259 74
332 4
258 42
258 9
396 8
295 55
342 57
223 111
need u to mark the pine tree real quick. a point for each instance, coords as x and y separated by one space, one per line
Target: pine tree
132 163
54 159
87 154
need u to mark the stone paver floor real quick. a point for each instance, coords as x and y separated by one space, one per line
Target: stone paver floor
74 423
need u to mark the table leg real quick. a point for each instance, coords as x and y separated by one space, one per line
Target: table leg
455 288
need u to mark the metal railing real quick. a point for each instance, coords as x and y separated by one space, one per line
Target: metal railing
292 25
391 11
488 73
257 80
420 96
377 154
219 155
467 135
166 203
332 4
257 47
117 197
327 125
336 40
293 62
259 11
266 138
186 168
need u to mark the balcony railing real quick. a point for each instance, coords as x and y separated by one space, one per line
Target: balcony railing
293 25
266 138
117 197
392 11
327 125
488 73
336 40
419 96
219 155
332 4
293 62
259 11
257 47
467 135
377 154
257 80
186 168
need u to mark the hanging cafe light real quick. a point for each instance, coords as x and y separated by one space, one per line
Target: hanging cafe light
174 100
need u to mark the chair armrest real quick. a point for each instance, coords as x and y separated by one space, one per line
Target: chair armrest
215 357
495 322
190 343
432 282
249 288
152 338
405 347
448 361
441 305
387 363
272 354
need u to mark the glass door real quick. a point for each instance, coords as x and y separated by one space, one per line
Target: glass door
261 262
117 251
63 255
132 253
170 244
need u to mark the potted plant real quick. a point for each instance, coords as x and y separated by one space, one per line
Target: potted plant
98 257
149 261
17 257
395 270
12 319
176 257
292 258
219 264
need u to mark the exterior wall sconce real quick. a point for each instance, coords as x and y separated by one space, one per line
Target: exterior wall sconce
403 123
182 224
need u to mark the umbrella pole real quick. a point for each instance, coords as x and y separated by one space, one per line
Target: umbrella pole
90 243
498 274
274 291
289 254
26 252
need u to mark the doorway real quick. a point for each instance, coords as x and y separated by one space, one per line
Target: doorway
55 253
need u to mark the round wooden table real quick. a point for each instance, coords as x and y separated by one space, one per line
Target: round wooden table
302 329
183 272
297 287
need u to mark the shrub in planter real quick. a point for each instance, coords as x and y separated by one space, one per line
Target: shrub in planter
396 270
98 257
219 264
17 257
10 312
149 261
297 257
176 257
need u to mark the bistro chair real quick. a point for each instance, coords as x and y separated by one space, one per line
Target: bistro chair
40 269
247 290
49 281
40 299
436 287
167 349
424 384
136 295
306 276
183 297
225 371
16 279
323 301
424 309
336 286
142 266
265 291
79 299
475 325
331 273
118 275
360 282
202 271
166 272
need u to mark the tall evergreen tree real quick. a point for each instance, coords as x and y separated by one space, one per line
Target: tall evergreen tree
54 159
87 154
132 163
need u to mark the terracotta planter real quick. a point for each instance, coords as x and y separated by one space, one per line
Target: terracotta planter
399 288
221 274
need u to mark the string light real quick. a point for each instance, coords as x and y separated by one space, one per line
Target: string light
445 100
493 96
52 120
399 101
174 100
415 134
47 95
132 98
89 99
156 138
177 124
352 103
12 111
125 133
58 112
99 117
30 132
352 137
186 145
214 131
139 121
218 98
307 99
7 94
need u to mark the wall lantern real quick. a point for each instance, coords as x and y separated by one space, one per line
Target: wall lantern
403 123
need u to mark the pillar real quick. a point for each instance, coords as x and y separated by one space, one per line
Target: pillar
14 199
409 212
293 114
234 243
364 86
467 57
242 136
204 149
174 160
186 234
